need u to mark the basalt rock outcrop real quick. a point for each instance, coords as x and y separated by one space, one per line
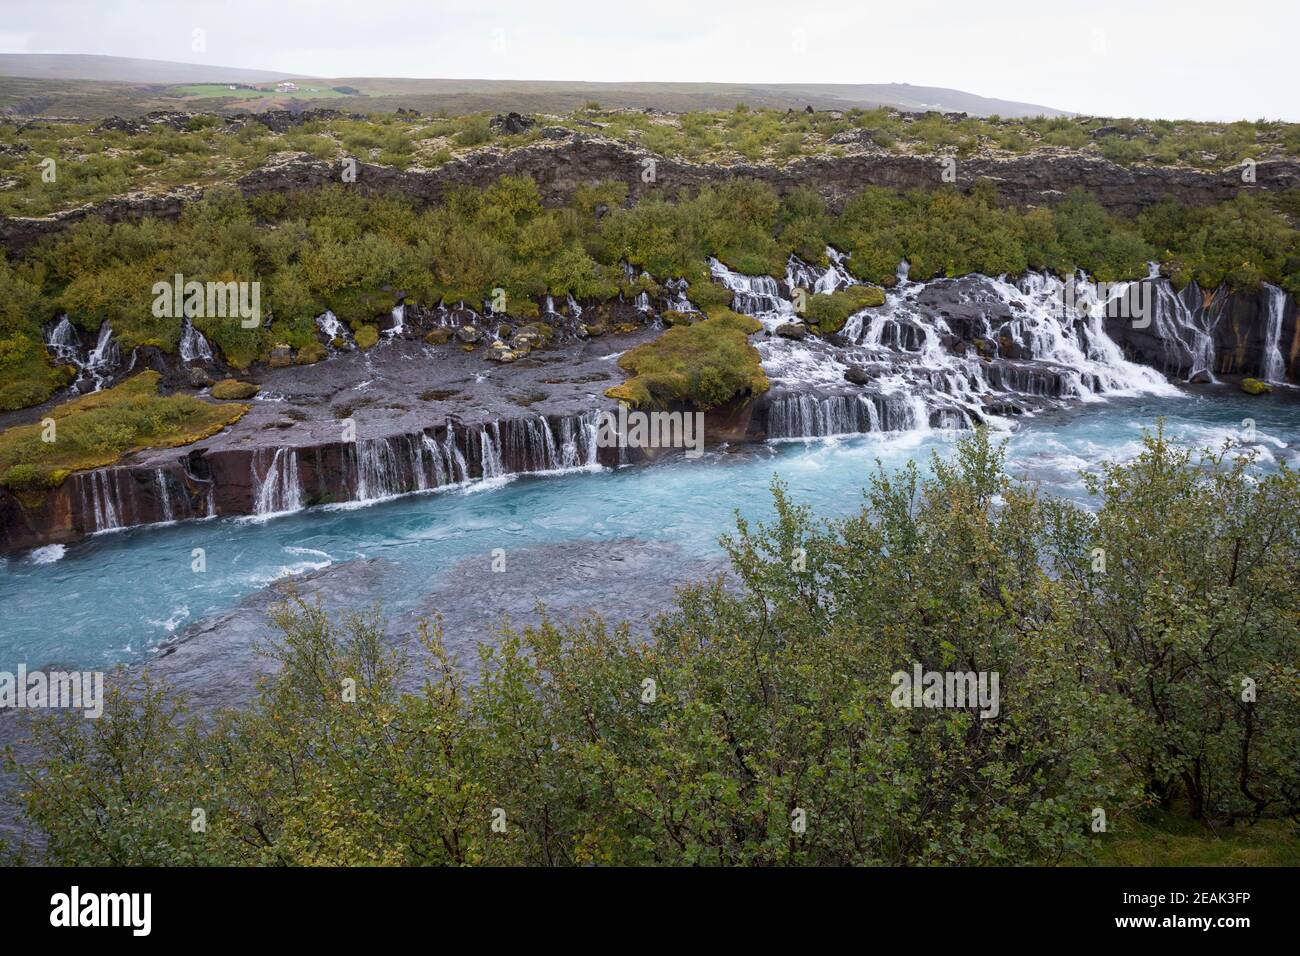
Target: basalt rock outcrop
560 166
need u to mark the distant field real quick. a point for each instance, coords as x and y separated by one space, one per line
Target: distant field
214 90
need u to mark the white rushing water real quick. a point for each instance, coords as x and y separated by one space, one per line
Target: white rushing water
334 330
95 366
399 320
193 346
276 489
1273 366
915 351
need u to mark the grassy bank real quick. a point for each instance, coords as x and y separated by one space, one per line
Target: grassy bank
98 429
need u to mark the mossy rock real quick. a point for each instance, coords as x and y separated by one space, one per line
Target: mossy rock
366 336
540 329
233 389
439 336
673 317
705 364
310 354
829 312
1253 386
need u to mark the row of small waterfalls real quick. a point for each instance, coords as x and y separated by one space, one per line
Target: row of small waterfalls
947 353
286 479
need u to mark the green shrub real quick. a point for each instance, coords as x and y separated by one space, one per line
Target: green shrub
776 701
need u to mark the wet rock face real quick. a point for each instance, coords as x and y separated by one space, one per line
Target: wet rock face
417 417
1195 335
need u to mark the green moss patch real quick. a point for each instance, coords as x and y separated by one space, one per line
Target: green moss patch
706 364
98 429
829 312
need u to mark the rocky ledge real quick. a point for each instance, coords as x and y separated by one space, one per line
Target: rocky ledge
560 166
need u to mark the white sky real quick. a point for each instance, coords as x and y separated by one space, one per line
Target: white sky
1191 58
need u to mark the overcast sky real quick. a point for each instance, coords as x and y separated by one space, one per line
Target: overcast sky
1191 58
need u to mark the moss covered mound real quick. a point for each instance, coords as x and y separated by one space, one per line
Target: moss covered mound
829 312
98 429
1253 386
706 364
228 389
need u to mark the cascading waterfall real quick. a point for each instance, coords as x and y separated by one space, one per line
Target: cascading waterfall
1188 342
276 490
1273 365
98 364
490 451
64 344
103 357
675 299
193 346
457 467
333 329
399 320
916 353
377 471
400 464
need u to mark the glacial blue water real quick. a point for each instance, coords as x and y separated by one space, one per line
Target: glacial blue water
113 597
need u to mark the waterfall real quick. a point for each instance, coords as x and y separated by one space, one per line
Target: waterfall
675 299
457 468
277 489
99 363
799 274
103 357
943 354
430 449
575 310
1273 366
1187 342
332 328
399 320
63 341
759 296
193 346
490 450
106 506
161 483
377 472
578 448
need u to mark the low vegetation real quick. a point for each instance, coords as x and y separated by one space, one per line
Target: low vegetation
757 723
705 364
98 429
829 312
94 163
